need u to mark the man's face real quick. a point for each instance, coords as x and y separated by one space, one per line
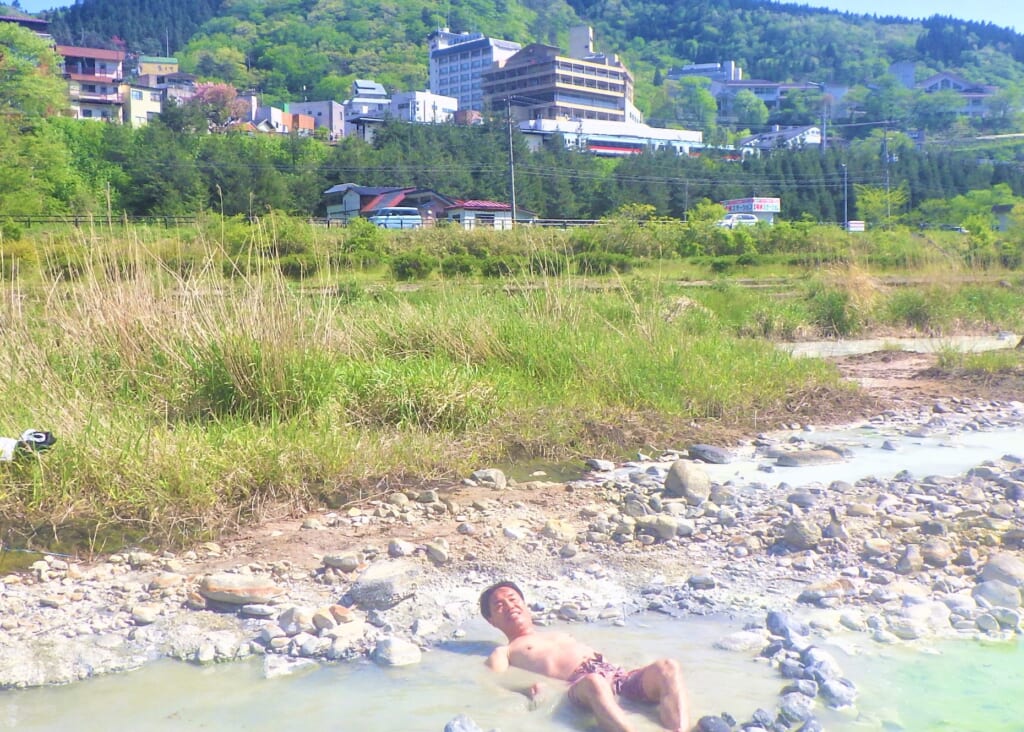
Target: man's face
508 611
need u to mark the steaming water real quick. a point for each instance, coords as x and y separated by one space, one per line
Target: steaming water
957 686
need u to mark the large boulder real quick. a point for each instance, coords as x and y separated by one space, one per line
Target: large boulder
802 534
996 593
396 652
1004 567
238 589
686 480
385 584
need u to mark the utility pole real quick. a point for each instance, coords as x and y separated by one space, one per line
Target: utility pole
885 150
846 211
511 162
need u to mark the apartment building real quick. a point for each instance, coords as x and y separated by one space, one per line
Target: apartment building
539 82
458 62
424 107
329 115
94 78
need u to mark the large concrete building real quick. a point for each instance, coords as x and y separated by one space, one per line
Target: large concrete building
458 61
539 82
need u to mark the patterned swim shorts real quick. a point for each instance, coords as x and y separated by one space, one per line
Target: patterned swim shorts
627 684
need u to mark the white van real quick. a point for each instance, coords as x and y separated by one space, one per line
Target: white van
396 217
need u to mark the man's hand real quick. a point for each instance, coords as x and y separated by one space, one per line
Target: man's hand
533 693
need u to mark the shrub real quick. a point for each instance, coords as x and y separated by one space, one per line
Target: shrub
349 292
298 266
833 311
10 231
15 257
282 235
412 266
360 234
602 263
458 265
721 265
505 266
547 263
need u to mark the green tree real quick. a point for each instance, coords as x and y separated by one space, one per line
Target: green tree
749 110
879 205
697 108
30 80
937 111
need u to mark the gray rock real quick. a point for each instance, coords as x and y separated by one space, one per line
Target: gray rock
490 477
911 561
805 458
795 707
1004 567
710 454
783 625
462 723
385 584
1007 618
296 620
820 665
839 693
713 724
1014 538
396 652
936 552
438 551
997 593
275 666
258 611
802 534
875 547
661 525
701 581
802 686
400 548
686 480
238 589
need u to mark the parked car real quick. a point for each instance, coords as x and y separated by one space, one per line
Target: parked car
396 217
731 221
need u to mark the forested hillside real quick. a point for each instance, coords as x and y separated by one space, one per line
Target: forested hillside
147 26
315 48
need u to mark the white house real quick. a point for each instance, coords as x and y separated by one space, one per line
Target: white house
485 214
423 106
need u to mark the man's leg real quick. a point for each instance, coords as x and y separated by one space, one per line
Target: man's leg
663 683
595 693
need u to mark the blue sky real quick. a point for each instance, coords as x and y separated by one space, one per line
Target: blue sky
1009 13
1001 12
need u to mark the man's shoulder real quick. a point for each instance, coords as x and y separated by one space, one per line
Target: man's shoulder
498 660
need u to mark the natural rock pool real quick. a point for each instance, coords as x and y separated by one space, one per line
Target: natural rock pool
953 685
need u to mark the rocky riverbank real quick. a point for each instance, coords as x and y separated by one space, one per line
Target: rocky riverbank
897 559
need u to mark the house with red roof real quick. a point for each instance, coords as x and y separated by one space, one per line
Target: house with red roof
347 201
94 78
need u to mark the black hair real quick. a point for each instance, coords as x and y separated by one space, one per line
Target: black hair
485 596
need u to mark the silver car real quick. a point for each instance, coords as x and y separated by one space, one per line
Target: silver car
396 217
731 221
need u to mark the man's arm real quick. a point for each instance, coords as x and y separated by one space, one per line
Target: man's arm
498 660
